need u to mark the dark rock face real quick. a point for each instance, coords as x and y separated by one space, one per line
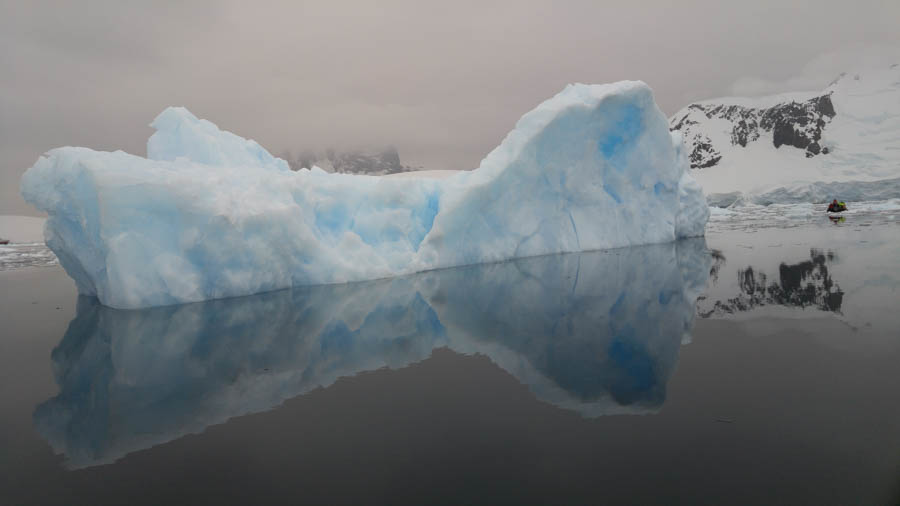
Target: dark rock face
794 124
800 124
704 154
386 161
356 162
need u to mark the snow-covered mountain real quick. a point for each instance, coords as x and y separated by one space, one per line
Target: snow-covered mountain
848 132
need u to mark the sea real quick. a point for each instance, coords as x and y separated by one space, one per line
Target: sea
757 365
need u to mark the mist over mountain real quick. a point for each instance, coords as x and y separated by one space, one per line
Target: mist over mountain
376 162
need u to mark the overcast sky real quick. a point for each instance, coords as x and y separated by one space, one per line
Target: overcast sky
441 81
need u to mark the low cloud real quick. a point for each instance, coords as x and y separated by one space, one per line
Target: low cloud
442 83
821 71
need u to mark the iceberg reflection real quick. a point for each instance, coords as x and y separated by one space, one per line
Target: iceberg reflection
596 332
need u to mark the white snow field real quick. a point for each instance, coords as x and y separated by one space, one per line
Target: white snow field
862 140
210 215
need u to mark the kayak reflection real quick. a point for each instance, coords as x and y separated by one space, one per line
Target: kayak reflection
597 333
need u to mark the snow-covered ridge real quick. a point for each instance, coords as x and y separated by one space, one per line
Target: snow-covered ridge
795 123
212 215
850 131
764 102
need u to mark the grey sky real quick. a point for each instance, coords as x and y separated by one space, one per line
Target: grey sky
442 81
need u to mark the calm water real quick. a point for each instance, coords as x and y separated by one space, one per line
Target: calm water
761 365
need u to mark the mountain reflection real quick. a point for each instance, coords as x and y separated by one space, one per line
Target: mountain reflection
803 284
597 333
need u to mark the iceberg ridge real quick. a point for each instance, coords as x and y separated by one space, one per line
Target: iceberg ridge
209 214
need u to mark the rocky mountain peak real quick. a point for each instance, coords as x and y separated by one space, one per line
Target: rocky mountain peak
354 161
793 123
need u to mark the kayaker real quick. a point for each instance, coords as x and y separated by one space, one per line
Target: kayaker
836 207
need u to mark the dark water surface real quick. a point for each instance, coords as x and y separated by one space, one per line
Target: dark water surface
574 379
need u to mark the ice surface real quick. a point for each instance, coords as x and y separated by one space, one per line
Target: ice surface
211 215
819 193
723 200
812 193
179 134
598 333
22 255
747 217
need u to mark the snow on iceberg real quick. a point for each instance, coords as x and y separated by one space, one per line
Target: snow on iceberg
211 215
179 134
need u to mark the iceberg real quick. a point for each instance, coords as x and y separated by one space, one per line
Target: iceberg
180 134
596 333
210 215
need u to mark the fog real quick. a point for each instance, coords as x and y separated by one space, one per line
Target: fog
442 82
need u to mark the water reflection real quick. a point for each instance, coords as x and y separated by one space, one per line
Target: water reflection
718 261
805 284
597 333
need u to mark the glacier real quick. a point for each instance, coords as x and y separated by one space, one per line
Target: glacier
210 215
819 192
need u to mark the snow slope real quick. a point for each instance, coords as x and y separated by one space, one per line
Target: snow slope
211 215
848 132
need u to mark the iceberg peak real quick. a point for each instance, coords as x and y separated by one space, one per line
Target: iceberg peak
180 134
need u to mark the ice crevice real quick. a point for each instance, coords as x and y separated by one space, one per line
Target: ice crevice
574 229
209 214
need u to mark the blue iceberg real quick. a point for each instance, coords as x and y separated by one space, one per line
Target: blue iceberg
210 215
